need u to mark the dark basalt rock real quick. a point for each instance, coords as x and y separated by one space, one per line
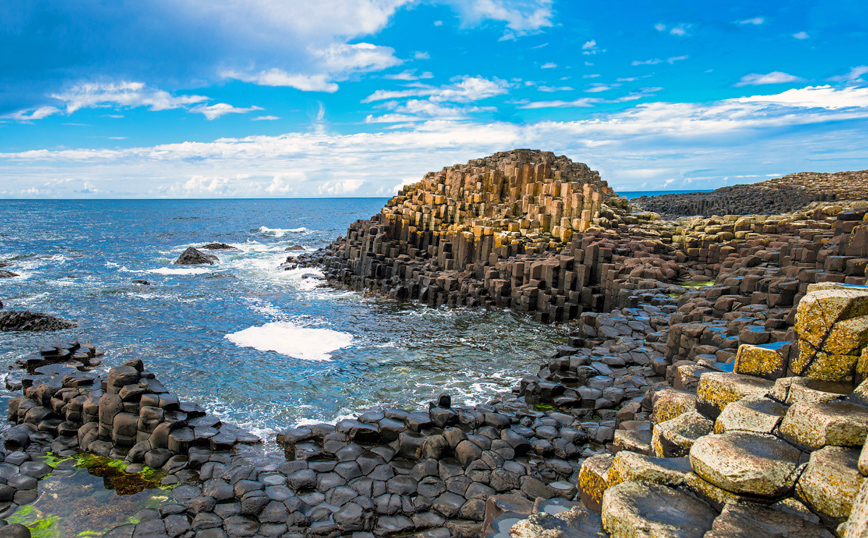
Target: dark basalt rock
24 320
7 274
218 246
142 282
294 247
191 256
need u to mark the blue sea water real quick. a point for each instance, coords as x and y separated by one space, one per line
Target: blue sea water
636 194
261 347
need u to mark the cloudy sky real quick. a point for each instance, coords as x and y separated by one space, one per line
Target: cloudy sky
303 98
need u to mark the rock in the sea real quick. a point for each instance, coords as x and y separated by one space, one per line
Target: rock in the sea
7 274
24 320
218 246
295 247
142 282
191 256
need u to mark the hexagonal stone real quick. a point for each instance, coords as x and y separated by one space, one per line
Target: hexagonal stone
593 480
673 438
831 481
815 425
819 311
671 403
751 414
633 440
857 524
743 520
762 361
747 463
578 522
719 389
633 509
629 466
801 389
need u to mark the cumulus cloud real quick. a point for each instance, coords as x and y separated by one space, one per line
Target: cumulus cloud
521 16
30 115
679 30
122 94
463 89
855 75
775 77
801 35
724 138
756 21
212 112
549 65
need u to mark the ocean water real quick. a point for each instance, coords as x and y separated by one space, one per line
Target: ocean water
258 346
637 194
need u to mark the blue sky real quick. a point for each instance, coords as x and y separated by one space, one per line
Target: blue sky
262 98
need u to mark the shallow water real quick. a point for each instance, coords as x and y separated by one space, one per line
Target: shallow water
260 347
86 496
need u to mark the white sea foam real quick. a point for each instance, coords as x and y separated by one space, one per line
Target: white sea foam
280 232
180 271
289 339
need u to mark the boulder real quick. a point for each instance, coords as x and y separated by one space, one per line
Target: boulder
629 466
24 320
756 414
191 256
673 438
719 389
593 480
815 425
748 520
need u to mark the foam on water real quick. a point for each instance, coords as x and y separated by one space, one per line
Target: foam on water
280 232
289 339
180 271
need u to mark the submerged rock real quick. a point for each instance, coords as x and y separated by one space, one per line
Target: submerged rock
218 246
192 256
7 274
24 320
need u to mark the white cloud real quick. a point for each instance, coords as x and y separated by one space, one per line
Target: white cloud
551 89
336 62
591 75
419 55
463 89
438 23
212 112
775 77
122 94
409 75
549 65
679 30
584 102
653 61
673 59
759 134
801 35
855 75
520 16
30 115
265 118
592 44
597 88
756 21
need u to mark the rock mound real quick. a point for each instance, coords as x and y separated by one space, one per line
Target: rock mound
24 320
779 195
218 246
192 256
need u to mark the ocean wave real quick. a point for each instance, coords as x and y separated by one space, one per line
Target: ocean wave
289 339
180 271
280 232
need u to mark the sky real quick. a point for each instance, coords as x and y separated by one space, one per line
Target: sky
343 98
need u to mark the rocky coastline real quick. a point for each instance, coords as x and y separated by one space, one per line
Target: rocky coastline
713 385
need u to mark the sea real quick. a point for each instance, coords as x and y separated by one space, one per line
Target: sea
256 345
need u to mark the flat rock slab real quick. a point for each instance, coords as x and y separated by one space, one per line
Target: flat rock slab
630 466
671 403
673 438
831 481
755 414
761 361
747 463
801 389
719 389
815 425
578 522
634 509
742 520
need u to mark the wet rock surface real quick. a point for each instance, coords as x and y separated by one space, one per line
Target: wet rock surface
24 320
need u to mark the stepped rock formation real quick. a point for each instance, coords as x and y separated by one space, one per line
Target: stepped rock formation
779 195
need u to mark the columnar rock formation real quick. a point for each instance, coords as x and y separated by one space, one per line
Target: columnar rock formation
773 196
